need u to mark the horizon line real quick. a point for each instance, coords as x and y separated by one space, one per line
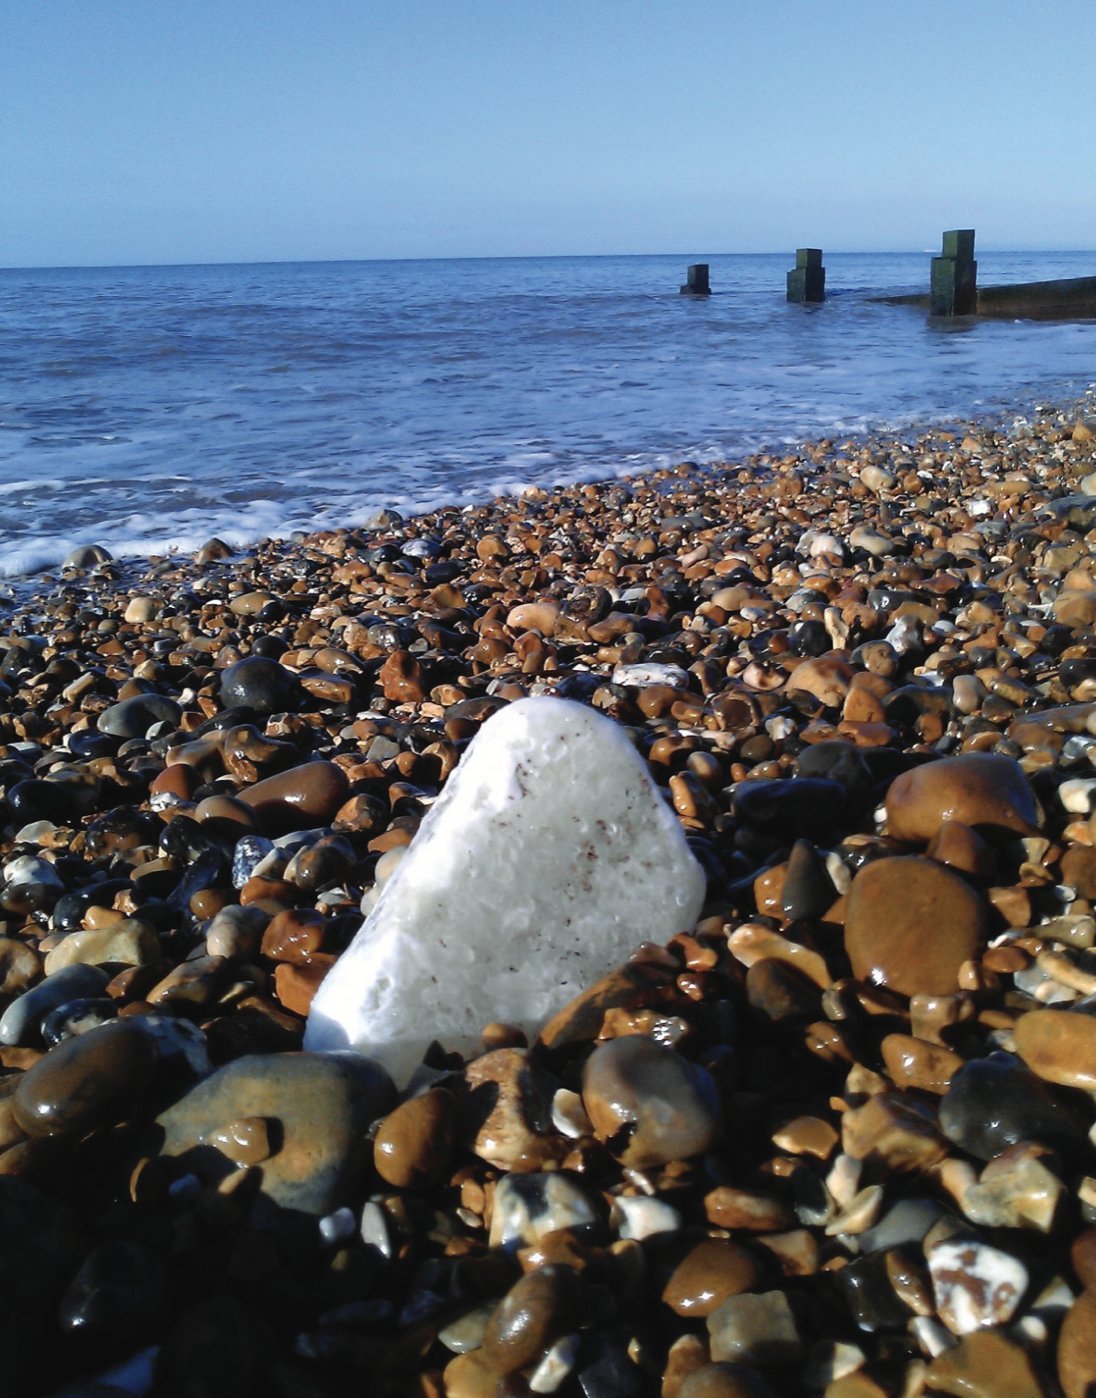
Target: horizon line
510 257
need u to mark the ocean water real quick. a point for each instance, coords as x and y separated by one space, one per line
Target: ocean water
150 408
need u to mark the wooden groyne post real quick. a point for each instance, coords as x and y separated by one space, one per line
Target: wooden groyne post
953 285
807 279
696 281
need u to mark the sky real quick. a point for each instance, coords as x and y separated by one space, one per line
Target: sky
171 131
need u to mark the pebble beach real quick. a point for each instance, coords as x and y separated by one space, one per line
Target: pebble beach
838 1137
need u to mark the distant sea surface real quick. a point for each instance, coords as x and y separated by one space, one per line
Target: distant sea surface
151 408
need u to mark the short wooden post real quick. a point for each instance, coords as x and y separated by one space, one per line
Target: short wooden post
697 281
807 281
953 285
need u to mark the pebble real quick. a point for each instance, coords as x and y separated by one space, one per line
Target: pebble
299 798
22 1020
976 788
1059 1046
522 934
413 1143
649 1103
910 924
130 942
322 1106
992 1103
529 1207
757 1328
985 1364
1076 1353
975 1285
87 1080
535 1310
712 1270
508 1109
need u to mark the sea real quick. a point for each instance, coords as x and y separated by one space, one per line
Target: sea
149 409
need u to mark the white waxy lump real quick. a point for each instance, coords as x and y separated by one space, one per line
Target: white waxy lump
548 858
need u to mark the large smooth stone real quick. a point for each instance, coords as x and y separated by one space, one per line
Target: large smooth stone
993 1103
320 1105
132 718
548 857
976 788
256 682
649 1102
910 923
88 1080
1059 1046
298 799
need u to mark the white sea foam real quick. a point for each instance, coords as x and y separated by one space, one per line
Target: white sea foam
412 386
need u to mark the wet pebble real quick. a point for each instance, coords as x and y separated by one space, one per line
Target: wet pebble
413 1143
910 924
648 1102
712 1270
535 1310
87 1080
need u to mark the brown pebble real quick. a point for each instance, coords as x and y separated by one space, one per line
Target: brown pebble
709 1272
506 1110
87 1080
537 1308
1059 1046
979 789
724 1381
1076 1351
298 799
745 1209
919 1064
246 1141
891 1129
1082 1256
911 923
295 986
413 1144
294 935
961 848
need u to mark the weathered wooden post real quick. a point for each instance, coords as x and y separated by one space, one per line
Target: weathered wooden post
953 285
807 281
697 281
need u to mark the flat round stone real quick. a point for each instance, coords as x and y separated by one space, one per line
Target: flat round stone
977 788
910 923
1059 1046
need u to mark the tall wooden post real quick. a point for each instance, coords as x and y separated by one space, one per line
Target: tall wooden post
696 283
953 286
807 281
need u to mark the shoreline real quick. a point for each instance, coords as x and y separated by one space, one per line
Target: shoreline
849 615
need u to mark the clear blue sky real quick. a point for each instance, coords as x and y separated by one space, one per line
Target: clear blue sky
248 130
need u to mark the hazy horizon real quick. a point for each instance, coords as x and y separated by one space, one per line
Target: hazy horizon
684 257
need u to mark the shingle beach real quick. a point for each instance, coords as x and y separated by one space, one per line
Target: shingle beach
838 1137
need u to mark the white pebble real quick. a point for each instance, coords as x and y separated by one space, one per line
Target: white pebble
635 1216
558 1362
1076 794
338 1226
975 1285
